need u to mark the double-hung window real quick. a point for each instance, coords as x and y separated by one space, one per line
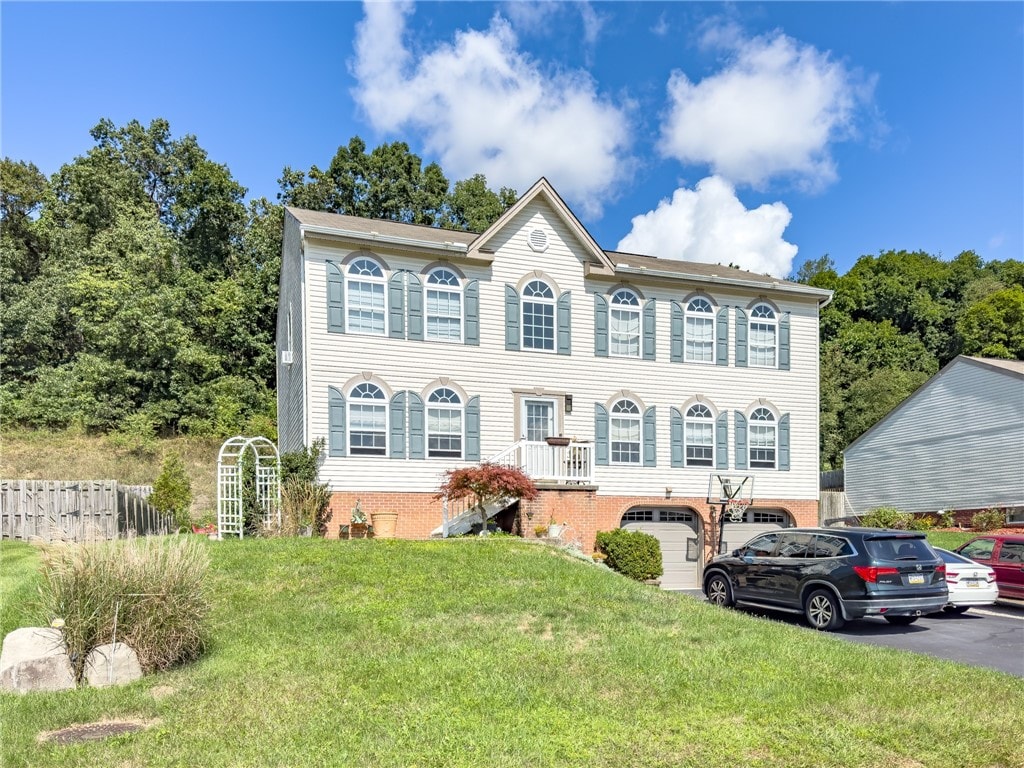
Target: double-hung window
444 424
538 316
700 331
763 336
624 432
364 287
444 305
700 436
762 439
368 420
624 325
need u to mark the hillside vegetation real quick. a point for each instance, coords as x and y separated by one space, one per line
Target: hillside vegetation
495 652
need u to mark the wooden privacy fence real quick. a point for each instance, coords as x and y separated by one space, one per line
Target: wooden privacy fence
85 510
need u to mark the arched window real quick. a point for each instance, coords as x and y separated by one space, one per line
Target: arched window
364 286
624 324
444 305
444 424
538 316
700 331
699 436
624 431
762 439
368 421
763 335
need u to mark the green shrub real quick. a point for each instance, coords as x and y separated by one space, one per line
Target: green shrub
887 517
304 464
923 522
149 589
172 491
632 553
947 518
988 520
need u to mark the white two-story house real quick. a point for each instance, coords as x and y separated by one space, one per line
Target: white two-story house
412 350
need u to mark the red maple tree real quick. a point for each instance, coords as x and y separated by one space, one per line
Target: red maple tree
485 484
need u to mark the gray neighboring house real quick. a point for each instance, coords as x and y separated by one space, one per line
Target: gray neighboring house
957 443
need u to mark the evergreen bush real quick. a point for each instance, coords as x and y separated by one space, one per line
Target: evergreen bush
172 491
632 553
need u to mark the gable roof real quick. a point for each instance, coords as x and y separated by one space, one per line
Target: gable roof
997 366
601 263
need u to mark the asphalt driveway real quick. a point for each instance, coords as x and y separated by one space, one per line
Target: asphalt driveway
991 637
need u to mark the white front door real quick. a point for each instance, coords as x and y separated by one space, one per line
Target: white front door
538 416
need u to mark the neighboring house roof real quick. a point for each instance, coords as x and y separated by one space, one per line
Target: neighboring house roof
604 263
1013 368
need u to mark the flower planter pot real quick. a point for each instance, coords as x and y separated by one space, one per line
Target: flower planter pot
554 531
384 524
563 441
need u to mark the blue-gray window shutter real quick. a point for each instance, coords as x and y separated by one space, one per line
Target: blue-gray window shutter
740 452
471 320
335 298
650 438
473 429
650 330
398 425
784 342
511 318
784 443
417 428
336 422
722 342
600 435
722 441
396 305
564 312
676 419
415 310
676 326
741 342
600 325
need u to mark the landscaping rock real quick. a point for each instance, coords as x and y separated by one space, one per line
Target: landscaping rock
112 664
35 659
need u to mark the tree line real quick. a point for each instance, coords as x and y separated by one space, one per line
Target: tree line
139 289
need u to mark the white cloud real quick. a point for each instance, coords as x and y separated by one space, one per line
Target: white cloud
483 106
709 224
774 110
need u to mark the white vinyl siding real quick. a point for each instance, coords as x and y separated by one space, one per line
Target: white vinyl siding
499 376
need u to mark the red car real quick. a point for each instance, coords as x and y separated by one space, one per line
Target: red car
1003 553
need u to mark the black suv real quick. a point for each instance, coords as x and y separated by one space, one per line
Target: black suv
832 574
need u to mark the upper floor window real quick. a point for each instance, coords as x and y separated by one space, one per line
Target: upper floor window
699 436
624 324
538 316
763 335
364 287
444 424
700 331
762 439
444 305
625 432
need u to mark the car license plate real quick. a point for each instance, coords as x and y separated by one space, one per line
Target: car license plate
915 578
972 583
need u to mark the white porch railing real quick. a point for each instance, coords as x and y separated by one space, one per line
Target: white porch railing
572 463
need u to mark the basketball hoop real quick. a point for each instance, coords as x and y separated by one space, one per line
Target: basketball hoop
736 509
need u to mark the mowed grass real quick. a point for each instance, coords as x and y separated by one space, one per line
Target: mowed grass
496 652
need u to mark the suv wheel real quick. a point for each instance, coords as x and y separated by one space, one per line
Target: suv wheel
719 591
822 611
901 621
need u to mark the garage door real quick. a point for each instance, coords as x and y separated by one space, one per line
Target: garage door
678 533
755 522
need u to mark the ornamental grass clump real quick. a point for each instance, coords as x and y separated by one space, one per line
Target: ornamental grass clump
146 592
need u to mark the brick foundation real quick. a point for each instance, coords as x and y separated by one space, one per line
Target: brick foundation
579 507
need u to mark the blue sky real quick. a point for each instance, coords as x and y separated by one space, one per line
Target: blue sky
761 134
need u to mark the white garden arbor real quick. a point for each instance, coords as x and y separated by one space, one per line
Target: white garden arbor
231 481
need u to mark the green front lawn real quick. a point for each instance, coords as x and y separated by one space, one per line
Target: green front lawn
495 652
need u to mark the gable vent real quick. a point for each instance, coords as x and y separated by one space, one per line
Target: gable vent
538 240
